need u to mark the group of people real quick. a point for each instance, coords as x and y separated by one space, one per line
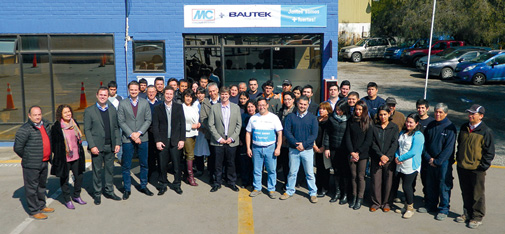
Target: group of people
240 132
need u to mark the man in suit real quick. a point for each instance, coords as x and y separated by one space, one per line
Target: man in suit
225 123
308 91
134 117
169 130
102 133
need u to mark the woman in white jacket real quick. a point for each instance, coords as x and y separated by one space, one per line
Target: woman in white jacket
192 124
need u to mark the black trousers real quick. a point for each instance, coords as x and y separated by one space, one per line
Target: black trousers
65 187
153 157
472 187
103 162
225 157
323 174
283 162
166 155
35 181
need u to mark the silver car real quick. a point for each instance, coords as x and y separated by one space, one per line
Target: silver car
367 48
444 66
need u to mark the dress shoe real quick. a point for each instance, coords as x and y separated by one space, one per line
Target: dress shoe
126 195
112 196
215 188
47 210
146 191
162 190
357 205
70 205
352 201
39 216
321 193
334 199
79 200
234 188
178 190
343 200
98 200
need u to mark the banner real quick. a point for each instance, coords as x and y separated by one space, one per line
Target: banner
240 16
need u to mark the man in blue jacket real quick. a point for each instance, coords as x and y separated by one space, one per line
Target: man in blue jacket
440 138
301 129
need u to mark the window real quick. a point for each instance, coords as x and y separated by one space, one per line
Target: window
149 56
500 59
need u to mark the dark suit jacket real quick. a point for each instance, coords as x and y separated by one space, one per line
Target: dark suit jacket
160 124
94 127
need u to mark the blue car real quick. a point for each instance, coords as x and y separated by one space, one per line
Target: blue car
486 67
393 54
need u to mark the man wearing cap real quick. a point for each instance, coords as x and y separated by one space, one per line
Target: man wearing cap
396 117
440 139
372 100
474 155
286 87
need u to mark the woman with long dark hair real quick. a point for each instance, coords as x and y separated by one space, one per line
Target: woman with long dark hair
358 140
191 113
408 160
384 145
336 150
246 164
68 154
283 159
323 164
243 97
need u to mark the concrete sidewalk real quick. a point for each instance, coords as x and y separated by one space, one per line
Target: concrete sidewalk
199 211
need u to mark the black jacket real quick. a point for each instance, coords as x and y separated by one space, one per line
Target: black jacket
385 141
28 144
59 162
358 141
334 134
160 124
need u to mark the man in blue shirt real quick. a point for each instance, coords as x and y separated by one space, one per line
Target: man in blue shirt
373 101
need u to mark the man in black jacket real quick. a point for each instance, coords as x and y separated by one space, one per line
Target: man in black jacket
33 145
169 130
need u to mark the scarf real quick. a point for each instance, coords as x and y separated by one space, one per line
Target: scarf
340 119
77 132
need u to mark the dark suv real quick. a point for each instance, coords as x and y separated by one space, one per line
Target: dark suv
411 56
393 54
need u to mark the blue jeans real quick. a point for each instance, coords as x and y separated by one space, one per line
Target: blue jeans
264 155
306 157
438 187
126 165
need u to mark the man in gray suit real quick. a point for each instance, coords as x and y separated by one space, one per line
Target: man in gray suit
134 117
225 123
102 133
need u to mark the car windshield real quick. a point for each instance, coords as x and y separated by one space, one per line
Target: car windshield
454 54
408 43
482 58
446 52
361 42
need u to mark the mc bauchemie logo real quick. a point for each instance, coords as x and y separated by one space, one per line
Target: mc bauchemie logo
200 15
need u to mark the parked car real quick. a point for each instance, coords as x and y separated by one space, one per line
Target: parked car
422 61
444 66
367 48
487 67
411 56
393 54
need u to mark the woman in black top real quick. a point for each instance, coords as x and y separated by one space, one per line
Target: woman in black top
382 166
335 149
323 164
246 167
358 139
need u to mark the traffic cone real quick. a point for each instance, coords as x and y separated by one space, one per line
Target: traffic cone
10 101
83 103
34 63
102 63
101 83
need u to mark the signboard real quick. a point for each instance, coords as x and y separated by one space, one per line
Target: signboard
239 16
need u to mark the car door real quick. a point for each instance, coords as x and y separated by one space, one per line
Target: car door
496 72
370 49
381 48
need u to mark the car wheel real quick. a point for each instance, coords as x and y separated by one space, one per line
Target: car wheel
157 59
419 65
356 57
446 73
478 79
415 60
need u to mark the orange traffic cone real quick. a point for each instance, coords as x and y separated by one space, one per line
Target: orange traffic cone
10 101
102 63
83 103
34 64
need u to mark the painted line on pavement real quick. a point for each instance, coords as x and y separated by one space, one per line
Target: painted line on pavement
22 226
245 213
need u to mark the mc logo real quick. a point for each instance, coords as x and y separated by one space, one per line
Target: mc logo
203 15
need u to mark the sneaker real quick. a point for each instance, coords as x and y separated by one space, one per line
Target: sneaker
254 193
313 199
397 200
441 216
408 214
272 195
422 210
284 196
474 224
47 210
460 219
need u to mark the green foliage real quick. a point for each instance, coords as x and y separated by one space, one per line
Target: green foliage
478 22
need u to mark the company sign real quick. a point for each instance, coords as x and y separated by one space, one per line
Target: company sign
234 16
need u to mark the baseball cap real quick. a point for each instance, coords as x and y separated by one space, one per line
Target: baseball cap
390 100
286 82
476 108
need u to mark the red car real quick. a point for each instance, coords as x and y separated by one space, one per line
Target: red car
411 56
